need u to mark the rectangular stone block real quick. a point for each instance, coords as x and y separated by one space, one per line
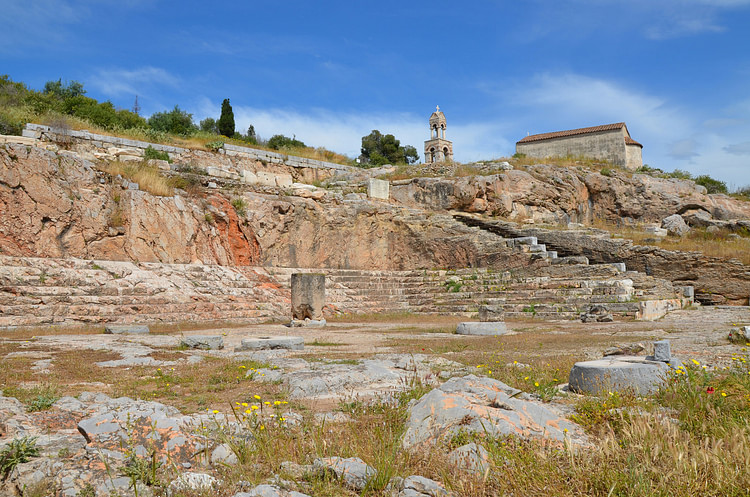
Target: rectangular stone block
662 351
308 296
378 188
126 329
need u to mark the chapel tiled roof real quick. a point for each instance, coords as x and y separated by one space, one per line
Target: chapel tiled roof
630 141
573 132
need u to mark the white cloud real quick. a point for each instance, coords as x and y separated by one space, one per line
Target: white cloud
343 132
114 82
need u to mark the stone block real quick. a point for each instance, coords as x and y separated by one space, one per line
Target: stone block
662 351
270 343
308 296
249 177
284 180
482 329
203 342
126 329
617 373
266 178
491 314
378 188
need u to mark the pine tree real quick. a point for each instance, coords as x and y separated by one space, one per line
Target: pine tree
226 121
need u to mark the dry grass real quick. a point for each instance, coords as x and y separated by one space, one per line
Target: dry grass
718 244
149 178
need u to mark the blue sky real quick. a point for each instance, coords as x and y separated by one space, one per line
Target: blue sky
676 71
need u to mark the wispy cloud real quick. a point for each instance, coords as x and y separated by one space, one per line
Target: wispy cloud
343 131
738 148
114 82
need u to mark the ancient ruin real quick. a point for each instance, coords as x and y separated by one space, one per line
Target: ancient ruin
456 321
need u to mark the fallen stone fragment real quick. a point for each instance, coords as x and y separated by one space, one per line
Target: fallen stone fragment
597 313
618 373
629 349
482 329
353 471
419 486
471 457
269 491
483 405
223 455
126 329
266 343
491 314
203 342
307 323
197 482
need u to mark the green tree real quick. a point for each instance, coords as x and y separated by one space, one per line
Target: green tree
64 91
176 121
209 125
226 120
378 149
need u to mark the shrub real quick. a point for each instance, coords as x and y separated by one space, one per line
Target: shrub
606 172
215 145
209 126
240 206
680 174
176 121
278 142
152 153
712 185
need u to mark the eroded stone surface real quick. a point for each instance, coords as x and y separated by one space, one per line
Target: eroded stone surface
270 343
483 405
203 342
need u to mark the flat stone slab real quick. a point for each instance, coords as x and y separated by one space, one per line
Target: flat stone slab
203 342
268 343
126 329
483 329
618 373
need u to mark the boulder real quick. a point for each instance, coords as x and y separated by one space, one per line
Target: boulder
353 471
419 486
675 225
471 457
483 405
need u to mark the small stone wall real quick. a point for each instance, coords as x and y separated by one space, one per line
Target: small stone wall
127 149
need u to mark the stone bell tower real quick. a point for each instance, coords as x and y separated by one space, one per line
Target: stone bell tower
437 148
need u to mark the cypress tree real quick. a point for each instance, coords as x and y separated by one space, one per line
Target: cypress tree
226 121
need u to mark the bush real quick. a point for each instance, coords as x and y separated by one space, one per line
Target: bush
152 153
606 172
278 142
176 121
712 185
680 174
209 126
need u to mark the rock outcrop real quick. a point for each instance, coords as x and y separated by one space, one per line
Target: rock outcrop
558 194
